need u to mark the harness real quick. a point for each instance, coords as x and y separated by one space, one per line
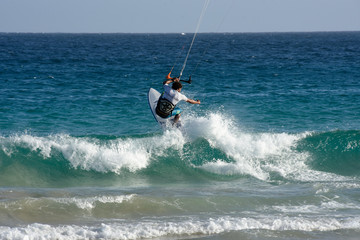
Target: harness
164 107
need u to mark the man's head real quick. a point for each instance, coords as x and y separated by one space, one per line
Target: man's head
176 86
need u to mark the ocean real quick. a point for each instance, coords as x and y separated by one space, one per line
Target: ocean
272 151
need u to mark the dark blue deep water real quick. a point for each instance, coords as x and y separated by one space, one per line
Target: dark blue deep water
272 152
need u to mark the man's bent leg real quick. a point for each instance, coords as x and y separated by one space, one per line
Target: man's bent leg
176 119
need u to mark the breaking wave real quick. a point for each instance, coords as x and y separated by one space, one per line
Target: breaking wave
212 147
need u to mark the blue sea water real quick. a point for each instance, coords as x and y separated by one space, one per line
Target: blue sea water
272 151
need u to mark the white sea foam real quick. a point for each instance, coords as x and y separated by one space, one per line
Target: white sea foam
102 156
89 154
155 228
324 208
334 186
255 154
85 203
89 203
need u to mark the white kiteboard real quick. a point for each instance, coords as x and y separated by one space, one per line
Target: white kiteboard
153 97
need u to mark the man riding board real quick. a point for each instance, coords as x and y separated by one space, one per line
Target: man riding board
166 106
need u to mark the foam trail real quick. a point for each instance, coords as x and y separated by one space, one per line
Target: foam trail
90 202
189 227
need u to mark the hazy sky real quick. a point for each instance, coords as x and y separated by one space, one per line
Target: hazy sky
164 16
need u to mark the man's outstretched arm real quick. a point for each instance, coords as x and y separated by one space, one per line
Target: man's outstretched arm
193 101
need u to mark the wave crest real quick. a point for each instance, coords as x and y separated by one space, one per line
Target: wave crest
212 144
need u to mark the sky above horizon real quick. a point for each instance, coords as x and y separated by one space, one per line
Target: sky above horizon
174 16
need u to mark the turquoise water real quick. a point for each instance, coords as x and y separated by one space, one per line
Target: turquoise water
273 151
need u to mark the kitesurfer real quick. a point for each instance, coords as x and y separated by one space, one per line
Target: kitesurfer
166 106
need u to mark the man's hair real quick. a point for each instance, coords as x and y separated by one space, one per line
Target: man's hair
176 85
